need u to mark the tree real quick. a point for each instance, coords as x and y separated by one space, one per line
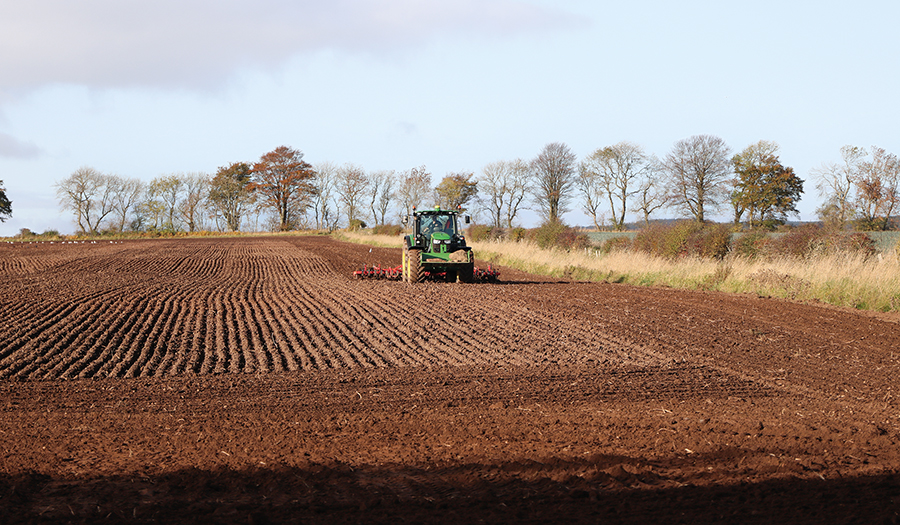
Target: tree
553 170
835 184
150 211
877 190
126 193
764 188
381 188
415 184
698 169
351 184
651 193
613 171
507 185
753 154
167 190
88 194
5 204
456 190
285 184
196 191
230 195
592 193
323 188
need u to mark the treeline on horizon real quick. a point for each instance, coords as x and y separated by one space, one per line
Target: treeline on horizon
696 179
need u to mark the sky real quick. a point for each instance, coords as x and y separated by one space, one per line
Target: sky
143 89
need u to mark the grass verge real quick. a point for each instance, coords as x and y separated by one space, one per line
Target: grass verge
867 283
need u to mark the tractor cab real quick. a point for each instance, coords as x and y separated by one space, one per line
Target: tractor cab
435 230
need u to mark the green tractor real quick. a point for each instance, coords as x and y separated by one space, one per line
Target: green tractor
436 247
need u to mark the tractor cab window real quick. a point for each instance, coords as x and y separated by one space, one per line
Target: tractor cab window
438 223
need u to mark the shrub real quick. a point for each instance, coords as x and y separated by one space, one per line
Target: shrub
750 245
516 234
651 240
616 244
558 235
809 240
798 242
356 224
685 238
854 242
387 229
480 232
710 241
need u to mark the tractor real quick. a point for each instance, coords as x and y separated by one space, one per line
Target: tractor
435 247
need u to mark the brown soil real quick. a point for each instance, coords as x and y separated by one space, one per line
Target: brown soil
254 381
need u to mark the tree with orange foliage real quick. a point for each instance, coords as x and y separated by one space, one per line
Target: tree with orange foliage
284 182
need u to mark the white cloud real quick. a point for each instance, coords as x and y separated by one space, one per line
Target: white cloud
11 147
199 43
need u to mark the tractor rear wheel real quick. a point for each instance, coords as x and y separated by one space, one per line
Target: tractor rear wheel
414 266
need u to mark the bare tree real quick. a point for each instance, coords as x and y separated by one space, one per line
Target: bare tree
351 184
381 189
415 185
493 183
506 185
616 170
323 183
196 191
652 194
699 170
553 170
835 184
592 192
89 195
126 194
520 181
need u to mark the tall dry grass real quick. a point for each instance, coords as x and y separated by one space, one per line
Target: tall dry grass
855 281
851 280
385 241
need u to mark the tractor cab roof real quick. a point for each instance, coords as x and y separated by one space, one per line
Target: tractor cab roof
437 210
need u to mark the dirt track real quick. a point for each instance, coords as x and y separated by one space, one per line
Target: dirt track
253 380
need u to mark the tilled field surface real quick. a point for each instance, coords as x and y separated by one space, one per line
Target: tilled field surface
255 381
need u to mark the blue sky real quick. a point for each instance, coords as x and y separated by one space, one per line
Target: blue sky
143 89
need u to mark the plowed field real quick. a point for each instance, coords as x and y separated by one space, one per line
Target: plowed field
253 380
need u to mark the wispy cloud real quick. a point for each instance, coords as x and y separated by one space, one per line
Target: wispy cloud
196 43
11 147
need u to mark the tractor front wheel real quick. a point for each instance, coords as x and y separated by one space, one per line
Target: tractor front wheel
414 267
